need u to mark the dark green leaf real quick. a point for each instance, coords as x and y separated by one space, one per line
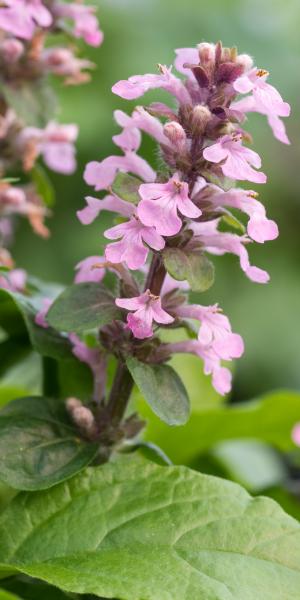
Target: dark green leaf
126 187
43 185
47 342
134 530
39 446
33 589
162 389
82 307
33 101
191 266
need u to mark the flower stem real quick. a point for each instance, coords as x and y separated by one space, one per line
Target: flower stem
123 382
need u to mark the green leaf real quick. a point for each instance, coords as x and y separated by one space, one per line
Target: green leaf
15 307
191 266
24 378
82 307
269 419
33 101
232 221
162 389
39 445
135 530
126 187
43 185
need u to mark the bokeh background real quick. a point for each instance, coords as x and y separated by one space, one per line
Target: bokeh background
138 35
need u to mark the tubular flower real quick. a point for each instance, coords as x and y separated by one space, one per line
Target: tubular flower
146 309
176 213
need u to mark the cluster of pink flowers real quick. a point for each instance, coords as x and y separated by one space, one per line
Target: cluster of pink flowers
203 152
25 61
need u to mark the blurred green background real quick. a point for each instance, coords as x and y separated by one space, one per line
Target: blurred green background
138 35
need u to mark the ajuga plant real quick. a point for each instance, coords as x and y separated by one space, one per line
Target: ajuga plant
29 55
132 526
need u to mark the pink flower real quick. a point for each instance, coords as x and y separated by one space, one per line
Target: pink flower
147 308
89 269
161 203
40 318
215 330
138 85
20 17
238 159
248 104
296 434
102 174
131 248
110 203
260 229
85 22
217 242
266 98
221 376
140 119
62 62
55 143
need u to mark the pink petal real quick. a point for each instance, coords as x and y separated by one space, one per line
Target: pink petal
102 174
160 315
60 157
152 238
262 229
88 214
231 346
140 325
221 380
278 129
87 270
243 84
163 218
186 55
296 434
215 153
132 303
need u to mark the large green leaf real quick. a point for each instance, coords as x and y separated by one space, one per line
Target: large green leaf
162 389
134 530
195 267
46 341
270 419
39 446
82 307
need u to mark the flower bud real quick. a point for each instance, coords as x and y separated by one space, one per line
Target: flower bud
245 61
11 50
200 118
82 416
72 404
206 53
176 134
